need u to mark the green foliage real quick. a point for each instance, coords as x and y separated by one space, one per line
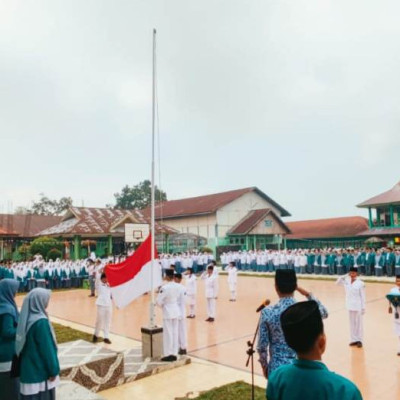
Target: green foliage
17 257
138 196
232 391
206 249
66 334
53 254
46 206
22 253
43 245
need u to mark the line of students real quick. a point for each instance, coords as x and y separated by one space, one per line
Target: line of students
47 275
29 366
367 261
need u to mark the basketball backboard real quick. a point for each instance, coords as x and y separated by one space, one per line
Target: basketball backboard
136 233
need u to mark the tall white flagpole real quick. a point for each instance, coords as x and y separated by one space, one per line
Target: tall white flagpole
153 232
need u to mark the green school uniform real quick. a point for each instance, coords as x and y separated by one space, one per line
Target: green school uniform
39 359
309 380
8 330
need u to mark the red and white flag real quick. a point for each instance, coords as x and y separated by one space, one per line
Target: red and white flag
132 278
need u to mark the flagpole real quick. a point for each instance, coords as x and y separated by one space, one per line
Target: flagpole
153 233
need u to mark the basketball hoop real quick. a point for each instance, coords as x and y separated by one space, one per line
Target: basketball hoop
136 233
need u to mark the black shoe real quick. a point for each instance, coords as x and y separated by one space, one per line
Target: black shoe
91 295
353 344
95 339
182 352
211 320
108 341
169 358
208 319
359 344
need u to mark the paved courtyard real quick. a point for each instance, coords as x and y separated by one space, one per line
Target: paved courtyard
375 368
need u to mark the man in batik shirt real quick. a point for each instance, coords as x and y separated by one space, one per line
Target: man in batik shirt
272 348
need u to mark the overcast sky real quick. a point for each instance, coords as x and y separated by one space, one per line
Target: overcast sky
300 98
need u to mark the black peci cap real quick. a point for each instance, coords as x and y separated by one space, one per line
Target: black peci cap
302 324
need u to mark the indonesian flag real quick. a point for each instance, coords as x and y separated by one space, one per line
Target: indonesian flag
132 278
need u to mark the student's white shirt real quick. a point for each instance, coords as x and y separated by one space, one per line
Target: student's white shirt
211 286
355 293
182 301
232 274
167 299
104 295
191 285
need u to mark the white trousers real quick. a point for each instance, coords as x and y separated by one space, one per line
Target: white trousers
211 306
191 300
182 334
103 321
170 337
356 326
232 289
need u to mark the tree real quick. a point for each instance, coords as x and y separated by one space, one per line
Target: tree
22 210
46 206
138 196
44 245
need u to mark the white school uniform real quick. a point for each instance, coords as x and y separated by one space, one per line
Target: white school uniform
182 331
355 304
232 281
211 292
191 290
167 299
104 310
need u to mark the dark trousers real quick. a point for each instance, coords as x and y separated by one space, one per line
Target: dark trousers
9 387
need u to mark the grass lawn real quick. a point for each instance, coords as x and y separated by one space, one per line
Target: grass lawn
67 334
233 391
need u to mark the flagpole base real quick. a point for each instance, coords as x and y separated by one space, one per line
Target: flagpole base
152 342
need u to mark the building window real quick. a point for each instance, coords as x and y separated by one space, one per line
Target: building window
268 223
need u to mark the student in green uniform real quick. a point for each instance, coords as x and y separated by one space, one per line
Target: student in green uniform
36 346
307 377
9 387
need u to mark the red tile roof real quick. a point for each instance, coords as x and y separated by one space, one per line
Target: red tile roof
4 232
380 232
97 221
327 228
207 204
391 196
26 225
246 224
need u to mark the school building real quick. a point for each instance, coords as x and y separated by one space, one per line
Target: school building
244 218
383 217
330 232
102 230
16 230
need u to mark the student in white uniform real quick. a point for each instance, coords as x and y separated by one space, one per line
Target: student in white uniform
99 268
104 310
232 280
182 331
191 290
167 299
355 303
211 291
396 319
